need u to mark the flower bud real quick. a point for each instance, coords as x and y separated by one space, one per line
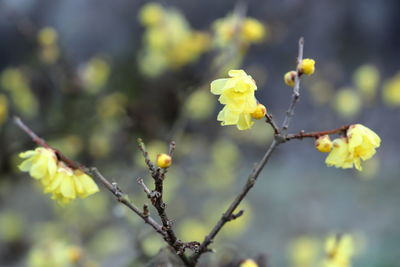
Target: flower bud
307 66
164 160
323 144
289 78
259 113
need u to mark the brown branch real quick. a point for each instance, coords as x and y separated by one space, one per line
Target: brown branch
296 91
156 197
269 119
302 134
93 172
228 215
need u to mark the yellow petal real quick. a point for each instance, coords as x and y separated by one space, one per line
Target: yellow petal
67 188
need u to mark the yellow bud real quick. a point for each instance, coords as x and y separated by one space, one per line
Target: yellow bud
323 144
289 78
307 66
164 160
259 113
248 263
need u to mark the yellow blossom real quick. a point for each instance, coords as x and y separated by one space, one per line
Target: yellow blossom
237 94
47 36
323 144
151 14
164 160
248 30
289 78
307 66
248 263
56 178
359 144
253 30
391 91
259 113
3 108
339 250
40 163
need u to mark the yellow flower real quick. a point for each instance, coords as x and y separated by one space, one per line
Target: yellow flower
56 178
249 30
3 108
362 143
47 36
359 144
253 30
289 78
40 163
237 94
66 184
151 14
323 144
248 263
307 66
164 160
339 250
339 156
259 113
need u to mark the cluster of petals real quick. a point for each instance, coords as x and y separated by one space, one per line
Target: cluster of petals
360 143
237 94
64 183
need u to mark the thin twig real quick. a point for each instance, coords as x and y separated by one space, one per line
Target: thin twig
156 197
93 172
269 119
302 134
228 214
296 91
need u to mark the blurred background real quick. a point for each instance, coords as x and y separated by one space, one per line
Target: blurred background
92 76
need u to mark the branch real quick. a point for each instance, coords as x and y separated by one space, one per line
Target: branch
296 90
270 121
156 197
302 134
229 213
93 172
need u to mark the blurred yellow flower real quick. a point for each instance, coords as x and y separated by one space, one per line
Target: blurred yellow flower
248 263
303 251
17 83
339 251
56 178
323 144
248 30
169 41
366 79
307 66
237 94
347 102
391 91
151 14
253 31
94 74
47 36
3 108
359 144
